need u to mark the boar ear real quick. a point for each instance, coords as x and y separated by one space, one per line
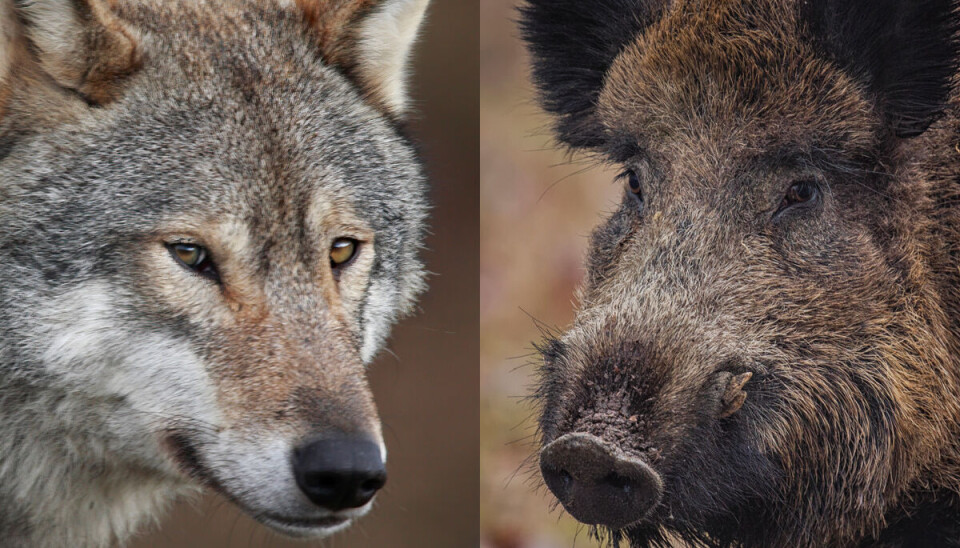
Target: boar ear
573 43
905 51
80 44
371 40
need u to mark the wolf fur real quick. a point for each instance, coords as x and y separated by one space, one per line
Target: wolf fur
262 130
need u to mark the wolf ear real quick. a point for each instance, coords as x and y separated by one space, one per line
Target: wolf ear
905 51
573 43
80 44
371 41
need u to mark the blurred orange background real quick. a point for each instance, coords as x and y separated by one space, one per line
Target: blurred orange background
537 207
427 394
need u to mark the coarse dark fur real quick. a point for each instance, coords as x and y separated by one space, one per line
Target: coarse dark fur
844 307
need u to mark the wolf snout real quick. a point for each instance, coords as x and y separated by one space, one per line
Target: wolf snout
596 483
339 473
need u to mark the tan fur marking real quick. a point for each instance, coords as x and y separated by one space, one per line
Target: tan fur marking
83 46
115 54
274 352
335 218
332 20
370 40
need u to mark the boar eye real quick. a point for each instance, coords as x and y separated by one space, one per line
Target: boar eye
632 184
342 252
195 258
803 192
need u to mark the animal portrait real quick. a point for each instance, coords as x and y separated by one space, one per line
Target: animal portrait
210 217
766 348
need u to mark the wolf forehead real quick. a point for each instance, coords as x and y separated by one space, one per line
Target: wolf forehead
261 77
300 153
232 107
232 117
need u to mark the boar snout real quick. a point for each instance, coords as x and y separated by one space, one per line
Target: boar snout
597 483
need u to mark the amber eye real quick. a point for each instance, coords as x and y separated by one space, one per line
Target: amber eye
342 251
196 258
799 193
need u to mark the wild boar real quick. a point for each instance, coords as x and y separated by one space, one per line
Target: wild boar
766 347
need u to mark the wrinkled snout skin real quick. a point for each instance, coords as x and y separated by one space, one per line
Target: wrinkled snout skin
787 373
597 483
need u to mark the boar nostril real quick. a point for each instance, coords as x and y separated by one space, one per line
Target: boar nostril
598 484
617 481
566 478
558 480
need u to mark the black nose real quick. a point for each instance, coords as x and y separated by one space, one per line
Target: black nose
597 483
339 473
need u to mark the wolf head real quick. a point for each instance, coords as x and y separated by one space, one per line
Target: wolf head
210 221
764 353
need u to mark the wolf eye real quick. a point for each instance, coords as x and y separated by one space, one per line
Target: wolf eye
196 258
799 193
342 252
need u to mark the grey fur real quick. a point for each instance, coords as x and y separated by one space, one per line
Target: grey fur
232 115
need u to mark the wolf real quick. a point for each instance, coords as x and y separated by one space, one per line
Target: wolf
210 217
767 346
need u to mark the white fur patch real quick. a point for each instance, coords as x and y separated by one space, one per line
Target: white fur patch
106 474
379 314
259 474
385 40
157 373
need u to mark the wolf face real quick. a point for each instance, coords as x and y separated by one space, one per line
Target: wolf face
210 220
765 350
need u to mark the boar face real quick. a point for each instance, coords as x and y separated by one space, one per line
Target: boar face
761 354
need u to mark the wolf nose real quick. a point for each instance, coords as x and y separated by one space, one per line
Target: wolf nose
596 483
339 473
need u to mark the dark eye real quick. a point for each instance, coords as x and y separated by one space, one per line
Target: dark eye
342 252
196 258
632 184
800 193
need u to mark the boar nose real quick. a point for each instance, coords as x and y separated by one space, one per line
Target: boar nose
339 473
597 483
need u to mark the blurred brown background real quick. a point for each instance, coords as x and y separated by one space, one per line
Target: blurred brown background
427 394
537 208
